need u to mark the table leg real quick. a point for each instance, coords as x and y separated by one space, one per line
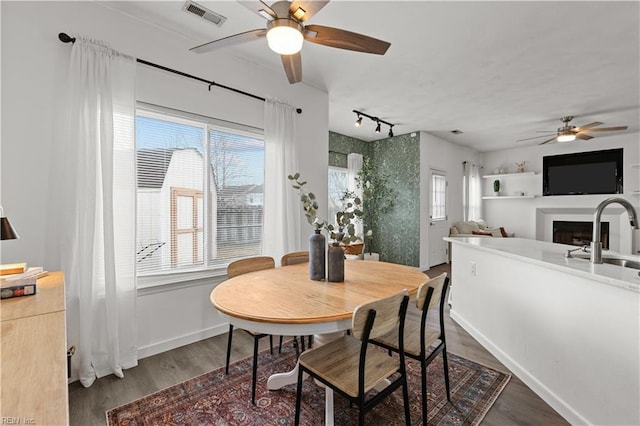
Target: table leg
279 380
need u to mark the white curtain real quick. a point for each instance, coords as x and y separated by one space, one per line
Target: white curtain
354 165
472 192
99 200
282 207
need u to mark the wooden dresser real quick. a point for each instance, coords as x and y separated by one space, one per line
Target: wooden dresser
33 364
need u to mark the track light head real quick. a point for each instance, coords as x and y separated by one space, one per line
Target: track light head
378 121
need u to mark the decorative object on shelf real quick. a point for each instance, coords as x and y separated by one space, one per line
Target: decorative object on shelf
377 199
317 244
520 167
335 263
496 187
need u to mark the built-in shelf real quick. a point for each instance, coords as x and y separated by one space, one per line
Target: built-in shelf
635 165
508 175
503 197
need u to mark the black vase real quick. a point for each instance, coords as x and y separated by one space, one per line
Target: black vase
335 263
317 244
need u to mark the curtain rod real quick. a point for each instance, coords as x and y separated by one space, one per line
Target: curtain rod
65 38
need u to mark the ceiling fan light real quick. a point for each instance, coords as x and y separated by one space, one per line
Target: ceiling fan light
284 37
566 138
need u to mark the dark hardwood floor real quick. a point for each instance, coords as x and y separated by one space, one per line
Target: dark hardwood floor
517 405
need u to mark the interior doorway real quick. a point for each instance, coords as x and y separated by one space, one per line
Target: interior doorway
438 223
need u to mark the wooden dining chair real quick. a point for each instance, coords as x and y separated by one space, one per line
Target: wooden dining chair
421 341
352 367
294 258
239 267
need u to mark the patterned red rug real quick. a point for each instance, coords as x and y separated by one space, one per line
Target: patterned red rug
216 399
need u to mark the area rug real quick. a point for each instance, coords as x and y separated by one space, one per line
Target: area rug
217 399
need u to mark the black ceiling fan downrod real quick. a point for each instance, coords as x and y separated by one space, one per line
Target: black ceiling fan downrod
65 38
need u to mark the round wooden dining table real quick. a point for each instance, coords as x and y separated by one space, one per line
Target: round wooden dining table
284 301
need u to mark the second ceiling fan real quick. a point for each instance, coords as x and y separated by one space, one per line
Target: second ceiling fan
285 32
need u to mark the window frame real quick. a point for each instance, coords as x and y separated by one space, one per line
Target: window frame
208 268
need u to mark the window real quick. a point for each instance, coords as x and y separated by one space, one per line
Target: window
338 184
200 184
438 196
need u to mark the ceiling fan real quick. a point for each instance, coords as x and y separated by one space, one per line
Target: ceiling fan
569 133
285 32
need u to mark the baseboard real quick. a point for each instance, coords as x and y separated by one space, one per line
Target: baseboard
183 340
540 389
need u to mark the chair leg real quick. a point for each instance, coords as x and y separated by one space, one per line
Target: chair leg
226 371
295 345
423 373
446 372
298 397
271 344
302 343
405 397
255 370
280 346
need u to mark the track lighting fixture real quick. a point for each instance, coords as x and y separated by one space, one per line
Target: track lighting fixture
378 121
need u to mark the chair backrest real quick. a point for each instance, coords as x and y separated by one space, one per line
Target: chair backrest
250 264
294 257
387 316
437 284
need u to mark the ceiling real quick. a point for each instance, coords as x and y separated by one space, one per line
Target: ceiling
497 71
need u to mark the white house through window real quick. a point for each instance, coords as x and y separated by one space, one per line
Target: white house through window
200 185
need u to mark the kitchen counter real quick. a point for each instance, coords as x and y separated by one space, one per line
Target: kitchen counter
551 255
567 328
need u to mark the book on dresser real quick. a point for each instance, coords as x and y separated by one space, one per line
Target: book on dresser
22 284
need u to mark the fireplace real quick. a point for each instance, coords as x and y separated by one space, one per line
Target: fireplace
579 233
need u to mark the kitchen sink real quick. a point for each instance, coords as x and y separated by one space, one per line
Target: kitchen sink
616 261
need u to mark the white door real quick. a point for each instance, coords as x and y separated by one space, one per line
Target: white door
439 227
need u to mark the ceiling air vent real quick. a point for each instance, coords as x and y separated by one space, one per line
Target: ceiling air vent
204 13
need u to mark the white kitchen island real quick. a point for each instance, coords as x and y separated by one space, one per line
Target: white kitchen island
569 329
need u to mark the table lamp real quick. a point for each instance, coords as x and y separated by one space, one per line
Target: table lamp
6 230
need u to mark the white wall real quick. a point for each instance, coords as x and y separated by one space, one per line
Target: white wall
438 154
519 215
34 65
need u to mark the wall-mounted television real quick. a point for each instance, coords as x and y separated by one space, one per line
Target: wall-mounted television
594 172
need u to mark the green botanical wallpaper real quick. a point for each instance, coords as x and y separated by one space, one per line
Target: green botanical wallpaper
398 239
340 146
399 233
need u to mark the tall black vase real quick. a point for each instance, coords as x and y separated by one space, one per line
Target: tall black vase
335 263
317 244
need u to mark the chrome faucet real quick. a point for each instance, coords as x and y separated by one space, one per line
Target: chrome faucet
596 244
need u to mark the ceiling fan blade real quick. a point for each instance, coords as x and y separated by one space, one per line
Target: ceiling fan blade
303 10
548 140
588 126
604 129
583 136
342 39
260 8
230 41
292 67
534 137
